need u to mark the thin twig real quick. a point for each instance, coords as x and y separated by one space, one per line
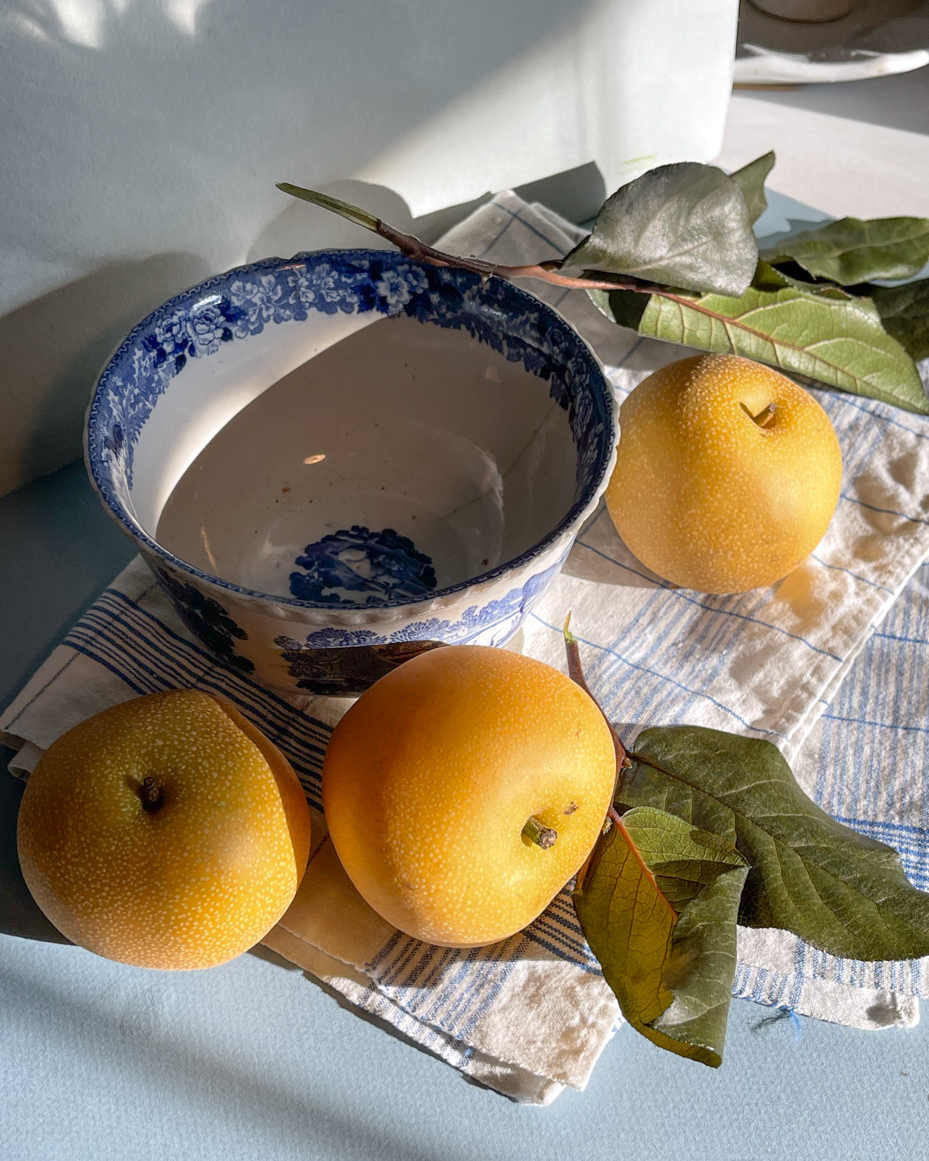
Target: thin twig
420 251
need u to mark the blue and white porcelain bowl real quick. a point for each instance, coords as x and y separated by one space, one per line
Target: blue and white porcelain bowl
334 462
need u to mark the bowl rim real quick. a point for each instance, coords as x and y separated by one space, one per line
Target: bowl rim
98 470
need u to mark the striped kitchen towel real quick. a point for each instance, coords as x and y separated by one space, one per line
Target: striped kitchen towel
526 1016
830 665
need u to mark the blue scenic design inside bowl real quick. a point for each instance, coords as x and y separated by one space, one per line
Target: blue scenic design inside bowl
189 369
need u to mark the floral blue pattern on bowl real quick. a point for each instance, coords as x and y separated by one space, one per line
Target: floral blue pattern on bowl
146 382
356 560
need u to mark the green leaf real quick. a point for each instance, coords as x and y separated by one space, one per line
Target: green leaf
823 334
684 224
672 976
852 251
628 924
837 889
904 311
750 179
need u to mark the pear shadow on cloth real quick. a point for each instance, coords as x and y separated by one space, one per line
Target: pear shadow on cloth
54 348
600 555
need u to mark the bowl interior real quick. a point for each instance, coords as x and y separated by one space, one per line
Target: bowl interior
417 429
400 427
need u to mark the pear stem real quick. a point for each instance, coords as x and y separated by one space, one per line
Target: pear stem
764 416
151 794
536 832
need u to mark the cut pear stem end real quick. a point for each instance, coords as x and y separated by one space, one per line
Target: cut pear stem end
151 794
536 832
764 417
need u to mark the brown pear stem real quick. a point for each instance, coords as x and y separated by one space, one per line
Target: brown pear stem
536 832
764 416
151 794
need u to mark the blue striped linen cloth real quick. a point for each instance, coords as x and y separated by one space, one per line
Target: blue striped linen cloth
829 665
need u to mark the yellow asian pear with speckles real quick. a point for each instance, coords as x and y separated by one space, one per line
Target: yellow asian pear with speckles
439 776
727 474
165 832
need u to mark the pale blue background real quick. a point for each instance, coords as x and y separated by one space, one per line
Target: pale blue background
251 1061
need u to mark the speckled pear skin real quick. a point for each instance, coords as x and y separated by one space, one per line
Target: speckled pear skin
193 881
430 777
706 497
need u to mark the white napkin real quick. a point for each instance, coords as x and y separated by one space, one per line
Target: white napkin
532 1014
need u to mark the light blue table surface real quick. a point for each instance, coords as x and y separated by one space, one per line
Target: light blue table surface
251 1060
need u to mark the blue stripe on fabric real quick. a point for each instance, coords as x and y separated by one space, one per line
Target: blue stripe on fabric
474 981
897 827
884 418
266 694
493 992
101 661
429 958
857 576
628 355
179 668
459 974
490 245
655 700
886 511
114 643
435 959
563 906
186 662
489 975
35 697
184 654
139 673
906 640
877 725
385 952
305 756
471 988
662 677
408 953
571 950
515 215
590 967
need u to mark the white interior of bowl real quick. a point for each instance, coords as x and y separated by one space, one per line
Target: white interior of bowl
210 392
274 443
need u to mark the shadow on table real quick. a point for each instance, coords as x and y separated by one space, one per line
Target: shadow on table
19 914
269 956
192 1082
385 1026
